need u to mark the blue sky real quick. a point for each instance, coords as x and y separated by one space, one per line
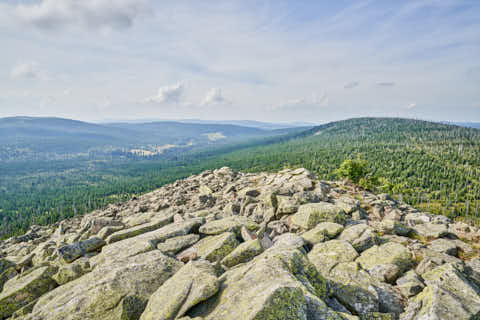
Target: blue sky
261 60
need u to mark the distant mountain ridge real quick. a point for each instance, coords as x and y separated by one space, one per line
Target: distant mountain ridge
66 136
465 124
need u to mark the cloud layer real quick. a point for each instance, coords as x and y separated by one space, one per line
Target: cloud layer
56 14
26 70
361 58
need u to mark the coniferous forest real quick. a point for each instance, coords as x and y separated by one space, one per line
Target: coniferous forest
435 167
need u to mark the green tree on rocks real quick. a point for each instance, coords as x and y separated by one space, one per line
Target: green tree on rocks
353 170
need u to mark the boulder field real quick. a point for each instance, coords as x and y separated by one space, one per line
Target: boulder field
231 245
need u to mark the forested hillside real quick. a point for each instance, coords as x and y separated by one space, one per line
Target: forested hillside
429 165
31 138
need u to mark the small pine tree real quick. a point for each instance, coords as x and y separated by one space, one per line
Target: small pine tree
353 170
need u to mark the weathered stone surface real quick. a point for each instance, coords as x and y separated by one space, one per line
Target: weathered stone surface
192 284
243 253
410 284
353 287
174 245
143 228
450 295
280 253
322 231
143 243
348 204
101 293
444 246
6 275
387 272
289 240
417 218
231 224
325 256
215 248
74 251
361 236
314 236
431 230
311 214
388 253
108 230
72 271
278 284
389 226
286 205
23 289
431 259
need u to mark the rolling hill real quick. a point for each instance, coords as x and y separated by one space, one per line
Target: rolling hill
36 138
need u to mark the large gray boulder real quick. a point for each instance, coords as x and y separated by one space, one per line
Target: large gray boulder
215 248
327 255
114 291
230 224
74 251
451 294
390 253
278 284
124 249
322 232
193 283
431 230
24 289
311 214
361 236
243 253
157 223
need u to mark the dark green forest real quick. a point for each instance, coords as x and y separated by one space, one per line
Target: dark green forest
435 167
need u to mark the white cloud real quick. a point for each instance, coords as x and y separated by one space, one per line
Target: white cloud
26 70
351 85
386 84
168 94
411 105
214 96
313 101
97 14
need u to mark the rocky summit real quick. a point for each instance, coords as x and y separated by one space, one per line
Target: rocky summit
231 245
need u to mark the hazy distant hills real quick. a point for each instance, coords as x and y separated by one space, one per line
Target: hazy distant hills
242 123
468 124
463 124
20 136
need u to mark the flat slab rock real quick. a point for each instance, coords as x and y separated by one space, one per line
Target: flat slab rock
192 284
24 289
108 292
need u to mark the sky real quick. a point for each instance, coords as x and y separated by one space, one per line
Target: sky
277 61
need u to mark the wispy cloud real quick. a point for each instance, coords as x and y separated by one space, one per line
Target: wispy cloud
411 105
314 101
386 84
351 85
214 96
26 70
95 14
